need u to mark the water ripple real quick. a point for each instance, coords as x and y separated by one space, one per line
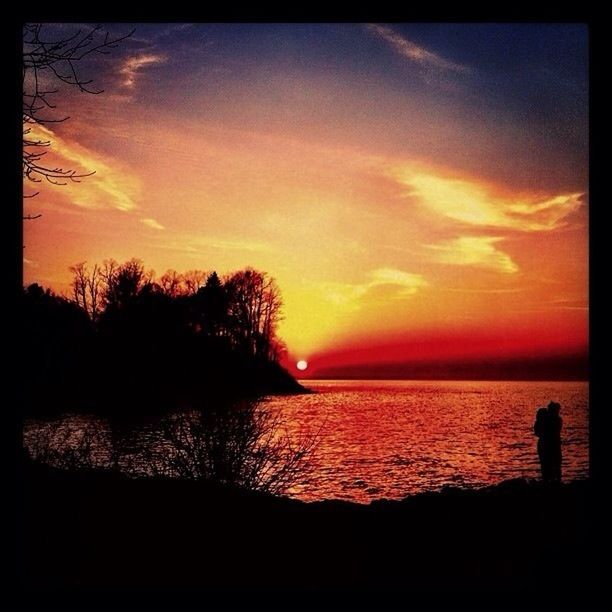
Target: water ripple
388 439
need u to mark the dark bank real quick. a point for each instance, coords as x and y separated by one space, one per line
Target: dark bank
95 529
126 345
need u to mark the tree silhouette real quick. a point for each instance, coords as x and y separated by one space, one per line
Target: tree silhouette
57 338
126 346
123 283
172 283
193 280
211 308
255 310
48 64
121 328
87 289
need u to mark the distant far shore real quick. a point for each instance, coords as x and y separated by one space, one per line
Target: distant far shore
568 368
305 381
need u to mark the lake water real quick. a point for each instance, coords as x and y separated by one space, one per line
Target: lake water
388 439
392 438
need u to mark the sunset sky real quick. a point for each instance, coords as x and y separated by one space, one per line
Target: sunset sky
418 191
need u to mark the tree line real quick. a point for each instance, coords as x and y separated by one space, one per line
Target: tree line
244 307
126 340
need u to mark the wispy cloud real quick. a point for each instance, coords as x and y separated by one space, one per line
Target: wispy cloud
110 187
478 251
152 223
483 290
197 244
406 282
476 204
350 295
133 66
413 52
567 304
29 262
239 245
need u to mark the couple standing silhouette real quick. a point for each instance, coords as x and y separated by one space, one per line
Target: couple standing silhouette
547 427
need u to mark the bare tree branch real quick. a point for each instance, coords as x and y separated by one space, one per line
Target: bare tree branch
58 60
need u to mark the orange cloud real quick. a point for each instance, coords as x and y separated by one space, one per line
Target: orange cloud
406 282
197 244
350 295
110 187
476 251
474 203
152 223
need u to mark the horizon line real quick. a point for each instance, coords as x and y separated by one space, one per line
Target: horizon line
526 380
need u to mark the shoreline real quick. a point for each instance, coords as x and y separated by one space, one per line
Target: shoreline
95 529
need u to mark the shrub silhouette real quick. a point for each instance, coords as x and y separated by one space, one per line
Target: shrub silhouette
241 443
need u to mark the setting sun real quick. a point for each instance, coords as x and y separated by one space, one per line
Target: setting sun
301 364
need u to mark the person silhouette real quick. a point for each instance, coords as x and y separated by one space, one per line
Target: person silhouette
540 428
547 428
554 441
